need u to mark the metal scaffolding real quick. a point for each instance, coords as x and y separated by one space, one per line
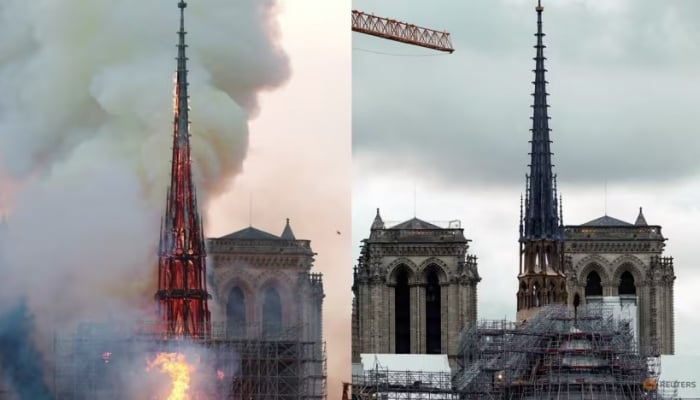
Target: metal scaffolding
386 384
100 362
559 353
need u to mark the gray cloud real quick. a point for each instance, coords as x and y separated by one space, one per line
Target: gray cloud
623 87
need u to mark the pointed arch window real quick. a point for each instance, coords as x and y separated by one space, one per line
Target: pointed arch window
594 286
627 286
235 312
402 312
550 293
433 325
535 295
272 312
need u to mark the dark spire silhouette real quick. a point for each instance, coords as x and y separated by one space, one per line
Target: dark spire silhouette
378 223
640 218
287 232
541 219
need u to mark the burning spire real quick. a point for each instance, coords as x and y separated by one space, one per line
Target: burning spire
182 295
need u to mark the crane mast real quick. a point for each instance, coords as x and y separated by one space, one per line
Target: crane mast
401 32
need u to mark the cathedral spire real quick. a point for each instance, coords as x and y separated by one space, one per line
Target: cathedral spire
541 213
640 218
287 232
182 295
378 223
541 277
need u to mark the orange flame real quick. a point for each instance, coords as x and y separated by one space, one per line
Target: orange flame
179 370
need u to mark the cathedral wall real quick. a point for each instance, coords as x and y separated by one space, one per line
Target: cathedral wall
299 307
610 261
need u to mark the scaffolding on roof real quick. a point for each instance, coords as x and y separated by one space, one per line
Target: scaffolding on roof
98 360
382 383
559 353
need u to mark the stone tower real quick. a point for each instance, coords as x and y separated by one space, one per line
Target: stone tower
414 289
541 277
264 285
622 264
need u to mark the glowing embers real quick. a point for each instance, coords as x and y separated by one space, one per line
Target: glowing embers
179 370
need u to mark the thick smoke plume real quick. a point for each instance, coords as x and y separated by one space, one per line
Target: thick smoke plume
86 132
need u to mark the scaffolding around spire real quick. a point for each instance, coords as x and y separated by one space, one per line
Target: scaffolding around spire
182 293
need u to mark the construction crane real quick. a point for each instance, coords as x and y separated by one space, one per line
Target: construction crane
401 32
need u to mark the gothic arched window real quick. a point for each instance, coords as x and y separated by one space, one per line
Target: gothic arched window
235 312
272 312
627 284
550 293
535 295
402 312
433 325
593 284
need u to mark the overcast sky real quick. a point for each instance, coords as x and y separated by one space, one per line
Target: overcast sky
624 84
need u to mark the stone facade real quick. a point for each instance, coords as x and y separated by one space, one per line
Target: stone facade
264 284
609 257
414 290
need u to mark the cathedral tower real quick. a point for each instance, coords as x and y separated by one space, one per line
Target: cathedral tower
414 289
541 278
182 290
621 266
266 285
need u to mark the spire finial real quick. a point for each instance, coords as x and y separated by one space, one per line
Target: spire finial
378 223
182 97
640 218
287 233
521 214
539 7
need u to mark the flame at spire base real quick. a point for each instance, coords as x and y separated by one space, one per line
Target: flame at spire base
176 365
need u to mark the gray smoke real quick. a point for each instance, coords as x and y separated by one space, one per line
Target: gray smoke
85 133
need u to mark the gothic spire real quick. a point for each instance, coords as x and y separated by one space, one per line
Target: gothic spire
181 97
182 292
640 218
378 223
541 220
287 232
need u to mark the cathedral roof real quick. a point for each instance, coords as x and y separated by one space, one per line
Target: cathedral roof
415 223
606 220
251 233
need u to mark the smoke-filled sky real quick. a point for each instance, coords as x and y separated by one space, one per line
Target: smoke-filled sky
624 86
298 164
85 132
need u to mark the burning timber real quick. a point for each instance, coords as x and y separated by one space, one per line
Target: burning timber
102 362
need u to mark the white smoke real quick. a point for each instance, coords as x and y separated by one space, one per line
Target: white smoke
86 132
